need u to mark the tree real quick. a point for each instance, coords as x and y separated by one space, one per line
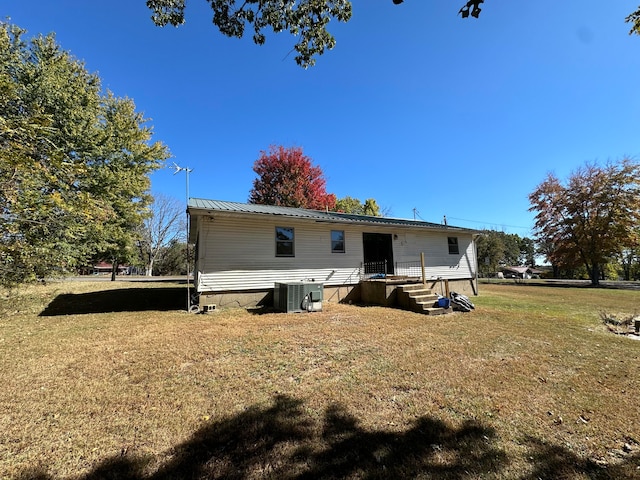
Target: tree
287 178
353 205
305 19
588 220
173 259
490 251
497 249
527 252
628 260
472 7
74 163
163 224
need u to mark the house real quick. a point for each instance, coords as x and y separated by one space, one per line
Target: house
243 250
104 268
519 272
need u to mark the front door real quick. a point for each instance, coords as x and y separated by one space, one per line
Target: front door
378 252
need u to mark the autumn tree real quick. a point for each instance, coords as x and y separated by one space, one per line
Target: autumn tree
74 162
164 223
590 218
306 20
288 178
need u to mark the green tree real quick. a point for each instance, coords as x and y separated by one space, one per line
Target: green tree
527 252
173 259
349 205
591 217
472 7
121 162
511 254
307 20
74 163
353 205
628 260
490 251
496 249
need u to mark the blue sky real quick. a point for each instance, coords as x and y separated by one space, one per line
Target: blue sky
415 107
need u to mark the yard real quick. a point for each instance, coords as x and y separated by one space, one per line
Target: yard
530 385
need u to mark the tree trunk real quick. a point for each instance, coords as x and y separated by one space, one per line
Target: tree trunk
595 275
114 269
626 267
149 269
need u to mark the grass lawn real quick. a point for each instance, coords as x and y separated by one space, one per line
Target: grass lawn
110 380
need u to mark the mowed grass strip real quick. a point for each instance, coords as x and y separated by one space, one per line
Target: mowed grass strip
529 385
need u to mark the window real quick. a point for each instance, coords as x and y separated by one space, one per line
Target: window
453 245
284 242
337 241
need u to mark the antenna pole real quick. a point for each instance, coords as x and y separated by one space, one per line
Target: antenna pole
186 170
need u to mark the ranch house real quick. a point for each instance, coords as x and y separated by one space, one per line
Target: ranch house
243 250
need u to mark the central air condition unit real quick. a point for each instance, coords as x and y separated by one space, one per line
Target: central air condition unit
298 296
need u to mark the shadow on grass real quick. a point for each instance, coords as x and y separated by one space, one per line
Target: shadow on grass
554 461
118 300
586 284
283 441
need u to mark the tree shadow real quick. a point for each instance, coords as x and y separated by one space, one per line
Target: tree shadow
283 441
118 300
554 461
559 283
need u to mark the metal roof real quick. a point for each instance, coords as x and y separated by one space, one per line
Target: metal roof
317 215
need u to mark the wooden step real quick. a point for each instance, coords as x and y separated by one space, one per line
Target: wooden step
417 298
413 287
437 310
425 298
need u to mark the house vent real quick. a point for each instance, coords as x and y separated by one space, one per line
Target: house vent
298 296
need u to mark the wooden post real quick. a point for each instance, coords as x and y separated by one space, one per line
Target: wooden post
424 279
446 288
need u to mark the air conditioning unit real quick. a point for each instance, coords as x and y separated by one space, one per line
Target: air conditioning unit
298 296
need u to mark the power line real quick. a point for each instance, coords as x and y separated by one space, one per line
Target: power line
491 223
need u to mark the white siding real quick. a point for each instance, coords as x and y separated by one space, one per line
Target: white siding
238 252
438 261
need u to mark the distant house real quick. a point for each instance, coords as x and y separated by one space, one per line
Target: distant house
104 268
519 272
242 250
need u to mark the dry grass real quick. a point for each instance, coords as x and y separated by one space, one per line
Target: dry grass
529 385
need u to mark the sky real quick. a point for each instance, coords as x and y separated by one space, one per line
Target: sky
427 113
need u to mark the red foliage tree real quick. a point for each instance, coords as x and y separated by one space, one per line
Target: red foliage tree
287 178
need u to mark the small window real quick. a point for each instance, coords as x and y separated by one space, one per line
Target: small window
284 242
337 241
453 246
